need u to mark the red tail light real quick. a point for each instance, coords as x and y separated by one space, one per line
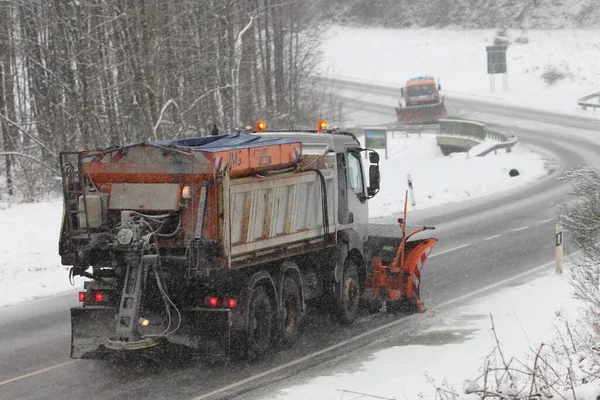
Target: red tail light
231 303
99 297
82 296
213 301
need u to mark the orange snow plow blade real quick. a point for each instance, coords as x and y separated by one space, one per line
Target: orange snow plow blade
396 268
421 114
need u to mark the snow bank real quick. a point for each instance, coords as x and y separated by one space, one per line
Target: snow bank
30 266
441 180
453 347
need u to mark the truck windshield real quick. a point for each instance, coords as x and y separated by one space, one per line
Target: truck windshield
421 90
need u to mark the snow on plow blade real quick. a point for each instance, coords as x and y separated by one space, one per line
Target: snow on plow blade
421 114
90 329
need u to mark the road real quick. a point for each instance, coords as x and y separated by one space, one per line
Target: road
483 243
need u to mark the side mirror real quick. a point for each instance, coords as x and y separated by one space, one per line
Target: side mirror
374 180
374 157
439 86
402 92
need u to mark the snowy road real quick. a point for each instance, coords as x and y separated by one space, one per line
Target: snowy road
482 242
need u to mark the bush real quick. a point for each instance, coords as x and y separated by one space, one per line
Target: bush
552 74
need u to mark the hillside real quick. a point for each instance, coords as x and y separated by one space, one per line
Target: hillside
474 14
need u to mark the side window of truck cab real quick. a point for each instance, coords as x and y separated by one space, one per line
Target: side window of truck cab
355 174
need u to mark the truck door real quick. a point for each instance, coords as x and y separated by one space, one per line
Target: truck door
356 192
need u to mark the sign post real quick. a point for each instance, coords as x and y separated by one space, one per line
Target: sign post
559 248
496 64
410 191
376 138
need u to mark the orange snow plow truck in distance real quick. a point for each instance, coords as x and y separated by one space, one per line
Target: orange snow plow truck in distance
422 102
218 243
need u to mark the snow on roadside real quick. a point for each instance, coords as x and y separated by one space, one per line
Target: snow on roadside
440 180
29 265
454 347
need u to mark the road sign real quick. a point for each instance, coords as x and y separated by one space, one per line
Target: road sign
496 59
376 138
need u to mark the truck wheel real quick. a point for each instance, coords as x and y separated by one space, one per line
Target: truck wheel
348 302
292 312
260 324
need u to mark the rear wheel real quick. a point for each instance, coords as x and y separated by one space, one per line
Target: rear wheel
292 312
349 300
260 324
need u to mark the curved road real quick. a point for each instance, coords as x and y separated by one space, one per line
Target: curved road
483 244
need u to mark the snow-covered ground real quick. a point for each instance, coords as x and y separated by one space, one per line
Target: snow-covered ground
440 180
30 266
458 58
453 348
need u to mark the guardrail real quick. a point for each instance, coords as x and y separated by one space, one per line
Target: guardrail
584 103
507 141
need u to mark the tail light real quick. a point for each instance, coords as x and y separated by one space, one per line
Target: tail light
91 297
218 302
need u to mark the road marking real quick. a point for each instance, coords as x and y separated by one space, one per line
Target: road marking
369 333
520 229
492 237
39 371
449 250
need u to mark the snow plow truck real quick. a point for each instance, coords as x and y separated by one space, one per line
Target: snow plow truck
422 102
218 243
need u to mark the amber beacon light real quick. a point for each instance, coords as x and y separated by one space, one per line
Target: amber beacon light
261 126
321 126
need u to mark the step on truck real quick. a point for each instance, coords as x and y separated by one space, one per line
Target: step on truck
218 243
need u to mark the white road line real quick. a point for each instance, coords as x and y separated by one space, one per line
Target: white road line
449 250
39 371
547 220
492 237
520 229
368 333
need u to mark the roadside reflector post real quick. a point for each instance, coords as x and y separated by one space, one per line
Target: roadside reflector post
410 191
559 248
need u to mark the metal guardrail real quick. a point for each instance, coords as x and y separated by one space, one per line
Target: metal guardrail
584 103
507 141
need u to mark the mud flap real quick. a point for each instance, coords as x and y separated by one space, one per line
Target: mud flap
207 331
90 329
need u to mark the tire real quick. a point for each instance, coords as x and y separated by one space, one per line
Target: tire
349 299
260 324
291 312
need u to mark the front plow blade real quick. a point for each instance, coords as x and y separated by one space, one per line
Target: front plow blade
424 114
90 329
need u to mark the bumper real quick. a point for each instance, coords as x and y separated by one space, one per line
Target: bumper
93 332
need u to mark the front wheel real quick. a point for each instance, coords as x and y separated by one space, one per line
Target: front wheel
349 299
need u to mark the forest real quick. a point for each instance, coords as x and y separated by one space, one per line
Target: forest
95 73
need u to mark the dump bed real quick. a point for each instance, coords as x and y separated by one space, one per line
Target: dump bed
246 199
